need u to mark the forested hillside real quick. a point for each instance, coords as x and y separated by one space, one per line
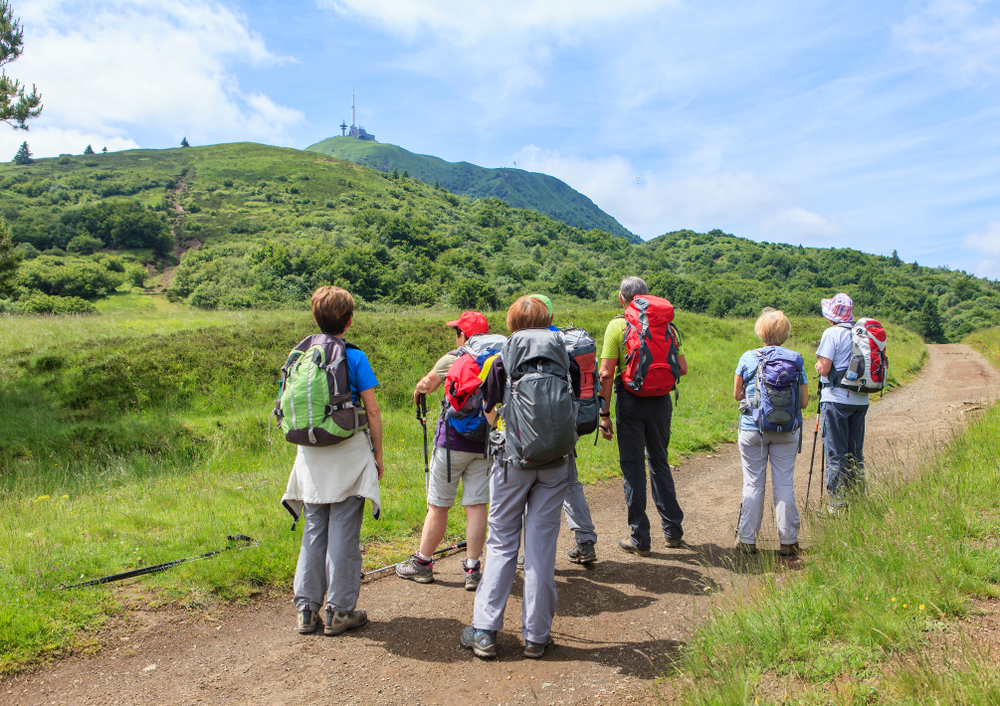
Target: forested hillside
515 187
250 226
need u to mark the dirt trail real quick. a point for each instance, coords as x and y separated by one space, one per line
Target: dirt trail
617 625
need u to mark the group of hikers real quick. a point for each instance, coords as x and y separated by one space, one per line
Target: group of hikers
513 410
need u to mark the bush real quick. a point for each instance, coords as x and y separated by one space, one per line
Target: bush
473 294
84 245
38 303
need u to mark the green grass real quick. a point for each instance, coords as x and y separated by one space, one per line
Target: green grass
852 626
135 438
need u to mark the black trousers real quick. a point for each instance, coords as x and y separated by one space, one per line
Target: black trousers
642 425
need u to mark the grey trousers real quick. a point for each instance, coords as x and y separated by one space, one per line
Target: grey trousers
329 568
577 510
539 496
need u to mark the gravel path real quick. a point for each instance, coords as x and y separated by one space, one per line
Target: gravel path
618 625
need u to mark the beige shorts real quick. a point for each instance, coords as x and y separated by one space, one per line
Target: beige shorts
470 468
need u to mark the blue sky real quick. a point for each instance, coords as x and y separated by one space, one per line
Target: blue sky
854 124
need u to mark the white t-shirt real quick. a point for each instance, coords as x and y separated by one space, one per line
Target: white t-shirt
836 345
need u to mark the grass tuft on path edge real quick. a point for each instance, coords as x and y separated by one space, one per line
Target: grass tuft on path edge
902 562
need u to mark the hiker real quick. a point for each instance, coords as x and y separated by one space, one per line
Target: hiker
575 506
529 477
843 411
469 464
642 419
328 484
770 429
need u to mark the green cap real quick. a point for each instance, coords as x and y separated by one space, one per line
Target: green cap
544 300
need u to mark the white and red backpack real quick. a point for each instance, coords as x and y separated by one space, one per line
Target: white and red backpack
869 366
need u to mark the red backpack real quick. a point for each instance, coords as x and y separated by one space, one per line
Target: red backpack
463 400
652 367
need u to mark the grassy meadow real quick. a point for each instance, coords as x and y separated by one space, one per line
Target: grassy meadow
141 436
880 612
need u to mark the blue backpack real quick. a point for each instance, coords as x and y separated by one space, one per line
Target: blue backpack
777 399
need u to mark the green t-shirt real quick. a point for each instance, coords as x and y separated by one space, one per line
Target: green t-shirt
614 342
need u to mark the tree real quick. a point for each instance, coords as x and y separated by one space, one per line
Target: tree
9 260
185 143
89 150
15 106
104 150
929 322
23 155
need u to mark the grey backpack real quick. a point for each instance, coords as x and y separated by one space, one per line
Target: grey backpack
539 411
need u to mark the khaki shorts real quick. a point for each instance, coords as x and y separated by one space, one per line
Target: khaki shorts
470 468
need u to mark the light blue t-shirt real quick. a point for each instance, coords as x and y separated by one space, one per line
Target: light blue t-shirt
747 367
836 345
359 372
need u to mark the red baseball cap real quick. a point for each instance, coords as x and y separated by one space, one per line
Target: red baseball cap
471 323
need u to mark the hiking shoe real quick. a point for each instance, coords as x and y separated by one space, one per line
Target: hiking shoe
627 545
536 650
483 643
746 548
308 621
520 561
583 553
473 575
413 570
675 543
790 549
338 622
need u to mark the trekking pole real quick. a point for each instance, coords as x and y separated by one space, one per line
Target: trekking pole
812 459
460 545
422 418
738 518
243 540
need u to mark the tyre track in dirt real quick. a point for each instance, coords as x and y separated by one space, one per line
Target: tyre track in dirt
618 624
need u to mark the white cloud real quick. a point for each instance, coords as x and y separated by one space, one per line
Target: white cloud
960 35
650 204
114 67
985 241
797 225
503 46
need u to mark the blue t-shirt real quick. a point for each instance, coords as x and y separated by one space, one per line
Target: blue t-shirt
747 367
359 372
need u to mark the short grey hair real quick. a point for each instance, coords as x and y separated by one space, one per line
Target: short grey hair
632 287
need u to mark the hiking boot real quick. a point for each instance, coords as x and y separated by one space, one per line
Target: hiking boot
583 553
308 621
473 575
483 643
746 548
675 543
536 650
338 622
627 545
414 570
790 549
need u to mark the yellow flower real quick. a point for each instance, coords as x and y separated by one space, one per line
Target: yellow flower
41 497
893 599
904 605
65 497
921 606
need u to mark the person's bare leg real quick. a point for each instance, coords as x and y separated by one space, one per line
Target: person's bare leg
435 525
476 517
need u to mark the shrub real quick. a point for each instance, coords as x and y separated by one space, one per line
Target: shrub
38 303
473 294
84 245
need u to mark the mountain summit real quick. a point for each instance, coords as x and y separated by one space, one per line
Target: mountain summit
516 187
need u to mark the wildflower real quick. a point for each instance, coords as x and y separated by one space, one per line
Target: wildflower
904 605
41 497
893 599
65 497
921 606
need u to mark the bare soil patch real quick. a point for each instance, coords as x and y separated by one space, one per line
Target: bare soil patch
618 626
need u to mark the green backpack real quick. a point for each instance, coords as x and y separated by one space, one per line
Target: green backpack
315 406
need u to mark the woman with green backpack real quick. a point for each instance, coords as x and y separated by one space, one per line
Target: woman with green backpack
327 407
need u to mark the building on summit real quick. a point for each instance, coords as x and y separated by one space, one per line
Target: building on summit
356 130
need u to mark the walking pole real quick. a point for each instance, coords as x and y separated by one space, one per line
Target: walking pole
812 459
422 418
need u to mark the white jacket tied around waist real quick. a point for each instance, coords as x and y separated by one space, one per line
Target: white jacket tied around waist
332 474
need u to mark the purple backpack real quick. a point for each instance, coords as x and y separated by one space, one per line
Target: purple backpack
777 399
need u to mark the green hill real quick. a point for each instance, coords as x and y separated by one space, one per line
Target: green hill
515 187
253 226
